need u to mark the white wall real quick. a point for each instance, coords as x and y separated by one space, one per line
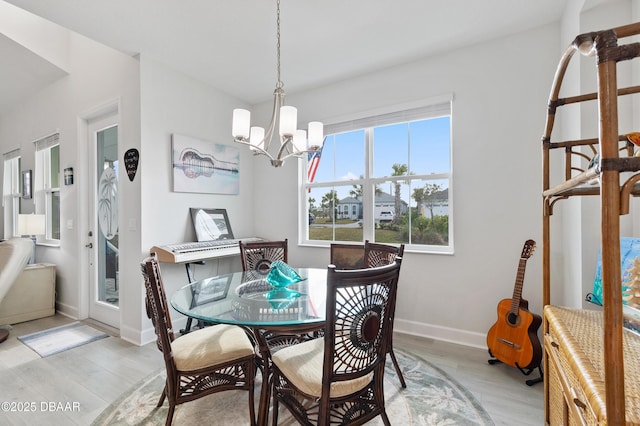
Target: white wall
500 88
174 103
59 107
500 94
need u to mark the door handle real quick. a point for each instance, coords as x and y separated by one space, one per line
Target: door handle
90 245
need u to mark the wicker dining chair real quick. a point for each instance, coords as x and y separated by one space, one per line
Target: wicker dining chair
205 361
376 254
338 378
258 255
347 256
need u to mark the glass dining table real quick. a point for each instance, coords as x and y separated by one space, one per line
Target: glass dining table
273 316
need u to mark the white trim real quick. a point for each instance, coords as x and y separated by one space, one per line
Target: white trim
425 109
446 334
434 100
48 141
11 154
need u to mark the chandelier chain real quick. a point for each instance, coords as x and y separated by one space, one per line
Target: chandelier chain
280 84
293 142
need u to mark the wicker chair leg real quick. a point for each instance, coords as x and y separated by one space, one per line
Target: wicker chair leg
385 419
397 366
252 407
163 396
275 411
170 415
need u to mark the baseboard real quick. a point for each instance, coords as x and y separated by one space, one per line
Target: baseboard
137 337
447 334
67 311
148 334
430 331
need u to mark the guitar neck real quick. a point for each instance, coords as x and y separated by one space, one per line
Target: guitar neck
517 288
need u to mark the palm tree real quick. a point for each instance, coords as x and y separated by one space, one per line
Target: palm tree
329 202
398 170
107 203
356 191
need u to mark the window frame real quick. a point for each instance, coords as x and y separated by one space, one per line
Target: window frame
43 189
11 192
368 183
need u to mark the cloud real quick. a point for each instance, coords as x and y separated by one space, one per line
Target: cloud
349 176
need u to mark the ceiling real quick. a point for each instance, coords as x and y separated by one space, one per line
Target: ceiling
231 44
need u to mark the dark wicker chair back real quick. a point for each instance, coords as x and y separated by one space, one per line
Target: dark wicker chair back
183 385
383 254
347 256
353 350
376 254
158 312
258 255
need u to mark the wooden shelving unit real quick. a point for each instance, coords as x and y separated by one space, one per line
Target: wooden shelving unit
616 171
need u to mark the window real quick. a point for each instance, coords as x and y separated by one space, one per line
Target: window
47 186
384 178
11 193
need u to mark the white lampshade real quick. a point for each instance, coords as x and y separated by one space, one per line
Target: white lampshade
288 120
241 123
316 136
300 140
31 224
256 138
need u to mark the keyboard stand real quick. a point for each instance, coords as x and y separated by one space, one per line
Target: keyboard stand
191 279
194 254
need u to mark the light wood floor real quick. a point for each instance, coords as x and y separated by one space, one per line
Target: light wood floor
95 375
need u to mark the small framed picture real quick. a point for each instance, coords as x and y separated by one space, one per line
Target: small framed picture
210 290
26 184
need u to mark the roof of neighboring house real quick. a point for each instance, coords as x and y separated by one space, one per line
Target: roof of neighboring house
383 197
349 200
441 195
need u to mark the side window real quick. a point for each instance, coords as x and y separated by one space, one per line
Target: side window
47 186
11 192
392 172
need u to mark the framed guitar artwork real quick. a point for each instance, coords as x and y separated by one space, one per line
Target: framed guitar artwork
513 339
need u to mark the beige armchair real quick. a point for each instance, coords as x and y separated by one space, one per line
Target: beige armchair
14 255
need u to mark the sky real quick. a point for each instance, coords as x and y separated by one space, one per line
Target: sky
424 146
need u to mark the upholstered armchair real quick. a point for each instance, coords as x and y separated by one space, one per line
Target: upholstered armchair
14 255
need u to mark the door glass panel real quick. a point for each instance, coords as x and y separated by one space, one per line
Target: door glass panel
107 211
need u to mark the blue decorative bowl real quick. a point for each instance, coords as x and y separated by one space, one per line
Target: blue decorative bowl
282 275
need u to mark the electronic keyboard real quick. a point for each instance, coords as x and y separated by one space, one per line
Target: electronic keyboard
201 250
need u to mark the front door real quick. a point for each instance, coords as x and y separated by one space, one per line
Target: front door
103 222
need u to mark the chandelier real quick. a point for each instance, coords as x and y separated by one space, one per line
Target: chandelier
293 142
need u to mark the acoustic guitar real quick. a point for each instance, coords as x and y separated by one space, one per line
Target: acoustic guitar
513 339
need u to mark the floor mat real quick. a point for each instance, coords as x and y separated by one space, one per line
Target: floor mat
59 339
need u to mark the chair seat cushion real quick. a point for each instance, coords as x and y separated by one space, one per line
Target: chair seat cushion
302 366
209 346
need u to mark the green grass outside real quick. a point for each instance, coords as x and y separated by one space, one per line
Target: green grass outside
352 234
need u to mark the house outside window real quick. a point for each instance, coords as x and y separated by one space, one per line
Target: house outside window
384 178
47 186
11 192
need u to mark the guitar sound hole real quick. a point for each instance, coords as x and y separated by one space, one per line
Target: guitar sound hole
512 318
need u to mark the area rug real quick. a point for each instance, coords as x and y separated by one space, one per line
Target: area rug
432 397
58 339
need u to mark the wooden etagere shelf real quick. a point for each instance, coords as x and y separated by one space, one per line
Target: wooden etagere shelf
612 175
